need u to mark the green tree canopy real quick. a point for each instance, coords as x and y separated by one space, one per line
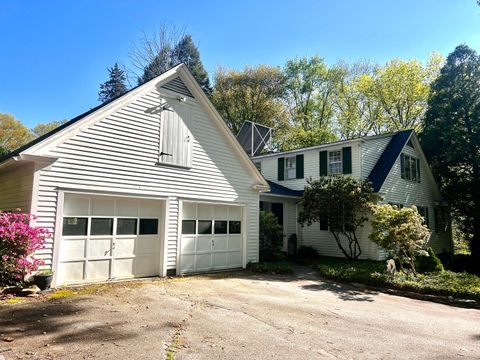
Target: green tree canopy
343 204
187 52
44 128
254 94
309 86
114 86
13 133
451 138
399 231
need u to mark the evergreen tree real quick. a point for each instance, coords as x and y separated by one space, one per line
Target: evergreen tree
114 86
187 52
451 139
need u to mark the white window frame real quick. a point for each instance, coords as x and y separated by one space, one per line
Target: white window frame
338 163
291 171
410 165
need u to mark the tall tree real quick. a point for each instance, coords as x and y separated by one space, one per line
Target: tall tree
152 55
13 133
254 94
309 90
357 112
451 139
44 128
402 87
187 52
167 47
114 86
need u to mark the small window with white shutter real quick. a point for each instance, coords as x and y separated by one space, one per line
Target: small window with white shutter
175 140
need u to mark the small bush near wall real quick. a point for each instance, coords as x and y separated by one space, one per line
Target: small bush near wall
430 263
18 242
271 237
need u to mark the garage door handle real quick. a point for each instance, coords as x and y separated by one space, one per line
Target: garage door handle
213 242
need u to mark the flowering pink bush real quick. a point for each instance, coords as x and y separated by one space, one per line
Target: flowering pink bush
18 242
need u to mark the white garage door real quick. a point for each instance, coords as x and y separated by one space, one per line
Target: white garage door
106 238
211 237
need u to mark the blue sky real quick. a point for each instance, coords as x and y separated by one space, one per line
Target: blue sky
55 53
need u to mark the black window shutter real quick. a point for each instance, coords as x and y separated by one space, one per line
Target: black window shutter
402 166
435 218
323 163
347 160
323 222
299 166
418 170
281 168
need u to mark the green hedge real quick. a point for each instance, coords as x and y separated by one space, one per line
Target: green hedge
460 285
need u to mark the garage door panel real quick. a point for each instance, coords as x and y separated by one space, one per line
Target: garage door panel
220 260
102 206
235 243
99 247
98 270
145 266
204 262
124 246
235 213
146 245
149 208
70 272
221 212
234 259
75 205
221 243
124 268
205 212
204 243
127 207
188 245
72 249
187 263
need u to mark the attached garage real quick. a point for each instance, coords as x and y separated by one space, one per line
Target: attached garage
151 183
211 237
108 238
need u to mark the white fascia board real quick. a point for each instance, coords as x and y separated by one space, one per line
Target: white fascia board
88 120
205 102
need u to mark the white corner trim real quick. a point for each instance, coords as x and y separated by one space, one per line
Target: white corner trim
57 235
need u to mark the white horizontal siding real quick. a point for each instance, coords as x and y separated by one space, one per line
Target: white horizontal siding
405 192
16 187
311 165
118 153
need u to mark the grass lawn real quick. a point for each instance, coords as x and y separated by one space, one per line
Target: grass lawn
456 284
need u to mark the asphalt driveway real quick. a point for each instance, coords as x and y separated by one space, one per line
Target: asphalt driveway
236 316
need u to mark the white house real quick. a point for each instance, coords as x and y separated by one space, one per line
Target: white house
150 183
394 163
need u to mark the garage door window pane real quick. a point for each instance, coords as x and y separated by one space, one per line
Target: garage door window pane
74 226
204 227
148 227
221 227
101 226
188 227
234 227
126 226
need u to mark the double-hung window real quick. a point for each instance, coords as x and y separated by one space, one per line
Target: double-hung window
290 168
334 162
410 168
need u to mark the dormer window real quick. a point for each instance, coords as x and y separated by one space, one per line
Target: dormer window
409 168
335 162
290 168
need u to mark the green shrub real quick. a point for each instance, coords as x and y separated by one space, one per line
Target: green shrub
270 267
429 263
307 252
271 237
